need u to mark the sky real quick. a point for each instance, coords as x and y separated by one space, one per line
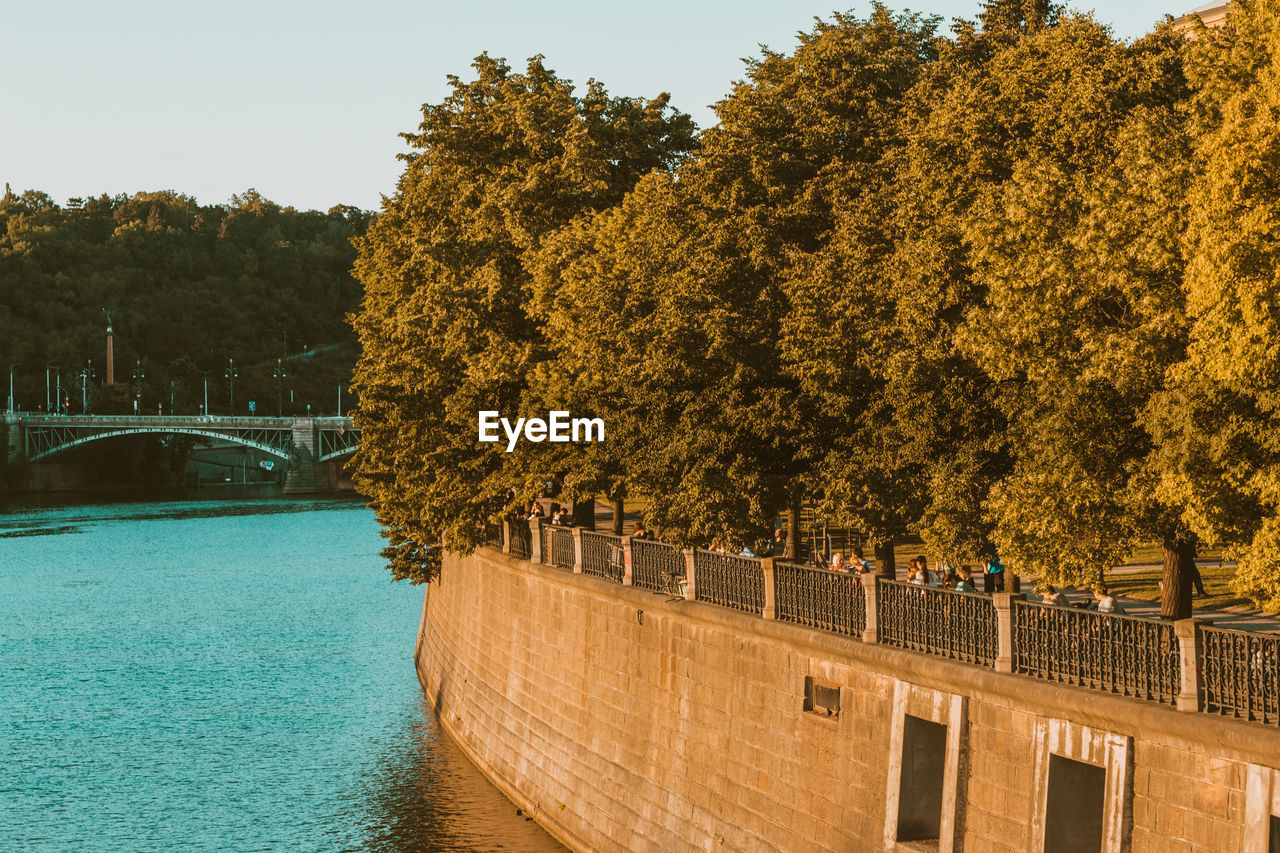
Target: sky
303 101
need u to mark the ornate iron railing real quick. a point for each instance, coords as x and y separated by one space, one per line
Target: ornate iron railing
521 538
561 539
1241 674
820 598
729 581
602 555
493 534
938 621
657 566
1129 655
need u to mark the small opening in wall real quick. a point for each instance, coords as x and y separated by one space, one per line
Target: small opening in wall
821 697
924 760
1273 845
1073 817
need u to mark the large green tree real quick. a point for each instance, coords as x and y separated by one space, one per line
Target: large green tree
1219 424
1075 254
450 325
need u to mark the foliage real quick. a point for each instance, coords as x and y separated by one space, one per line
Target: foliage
191 286
981 288
449 323
1218 423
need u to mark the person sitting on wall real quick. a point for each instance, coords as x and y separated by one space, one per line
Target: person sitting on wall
918 572
964 580
858 564
536 511
559 518
950 579
1050 595
639 532
1104 601
838 563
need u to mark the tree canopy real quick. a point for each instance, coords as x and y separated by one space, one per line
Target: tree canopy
1010 289
190 286
450 322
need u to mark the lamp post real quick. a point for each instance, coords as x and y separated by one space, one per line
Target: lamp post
171 384
11 404
231 382
205 374
86 377
279 375
339 401
138 375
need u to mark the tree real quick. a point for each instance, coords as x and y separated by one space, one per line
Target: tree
1217 424
448 323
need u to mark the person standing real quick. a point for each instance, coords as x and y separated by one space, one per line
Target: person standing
992 575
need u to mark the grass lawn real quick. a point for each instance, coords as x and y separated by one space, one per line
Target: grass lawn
1145 585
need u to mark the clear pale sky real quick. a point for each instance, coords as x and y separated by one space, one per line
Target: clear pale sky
303 100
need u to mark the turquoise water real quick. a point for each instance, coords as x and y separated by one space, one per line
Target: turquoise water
219 675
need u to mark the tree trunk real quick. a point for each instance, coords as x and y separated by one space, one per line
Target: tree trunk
793 529
617 516
1179 552
584 513
886 562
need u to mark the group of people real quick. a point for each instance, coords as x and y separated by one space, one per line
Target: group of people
561 517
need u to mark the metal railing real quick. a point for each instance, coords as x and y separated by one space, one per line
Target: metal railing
561 539
1240 671
492 534
819 598
938 621
729 581
1130 655
521 538
602 555
657 566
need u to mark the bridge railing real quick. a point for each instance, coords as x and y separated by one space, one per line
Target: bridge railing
186 420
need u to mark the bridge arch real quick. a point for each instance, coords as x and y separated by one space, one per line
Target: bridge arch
278 452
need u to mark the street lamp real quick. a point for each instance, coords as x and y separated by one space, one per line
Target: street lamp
86 376
138 376
279 375
231 381
11 367
171 383
205 374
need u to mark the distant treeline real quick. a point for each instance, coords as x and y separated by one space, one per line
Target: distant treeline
1014 288
191 287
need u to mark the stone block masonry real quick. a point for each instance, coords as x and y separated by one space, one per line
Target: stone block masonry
622 719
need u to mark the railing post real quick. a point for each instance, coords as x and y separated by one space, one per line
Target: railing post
506 535
1003 603
625 545
1191 680
535 541
871 633
770 610
577 550
690 593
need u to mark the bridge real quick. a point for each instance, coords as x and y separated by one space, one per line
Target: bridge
304 444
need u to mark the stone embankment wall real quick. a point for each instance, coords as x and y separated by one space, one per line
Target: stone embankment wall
621 719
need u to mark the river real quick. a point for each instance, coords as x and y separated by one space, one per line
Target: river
231 675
